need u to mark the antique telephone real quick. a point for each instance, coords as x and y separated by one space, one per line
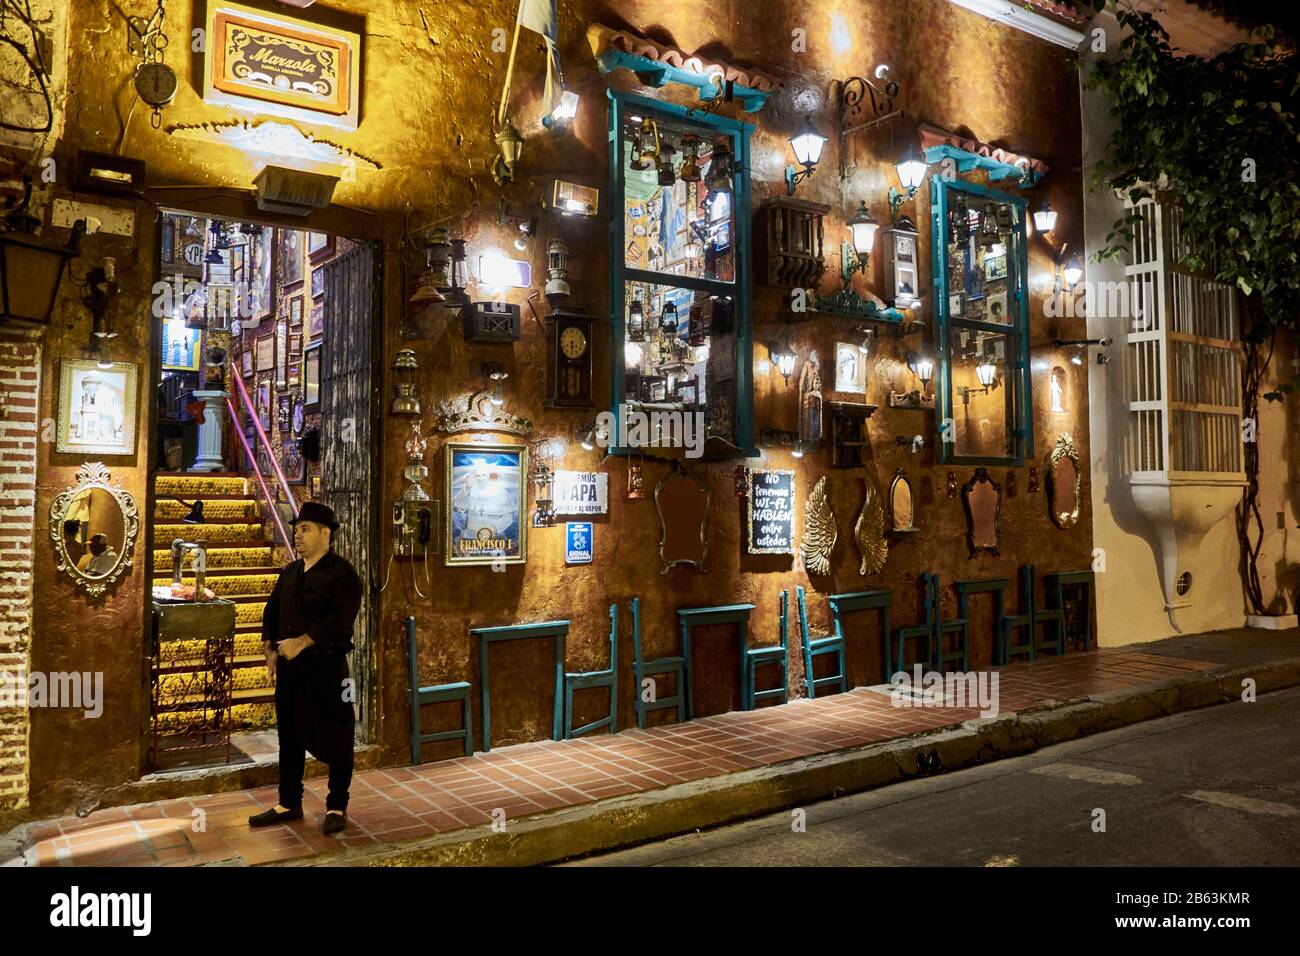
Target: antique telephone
415 515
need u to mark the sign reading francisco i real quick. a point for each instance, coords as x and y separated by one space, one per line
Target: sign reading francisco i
282 65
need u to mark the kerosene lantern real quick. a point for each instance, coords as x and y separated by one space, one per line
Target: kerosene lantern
636 321
690 171
406 400
557 271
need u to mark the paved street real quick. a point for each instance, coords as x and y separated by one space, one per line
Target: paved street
1214 787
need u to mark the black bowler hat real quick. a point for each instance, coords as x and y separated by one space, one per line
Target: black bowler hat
317 512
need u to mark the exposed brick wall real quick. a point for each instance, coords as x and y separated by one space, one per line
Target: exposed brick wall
20 363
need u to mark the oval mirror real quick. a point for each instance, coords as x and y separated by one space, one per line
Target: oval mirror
93 526
900 504
682 501
982 499
1063 482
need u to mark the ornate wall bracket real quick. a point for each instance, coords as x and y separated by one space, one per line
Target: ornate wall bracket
480 415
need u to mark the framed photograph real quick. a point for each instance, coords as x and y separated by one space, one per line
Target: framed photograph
316 323
289 248
997 306
246 363
850 369
295 466
487 492
281 348
299 417
995 267
956 303
97 408
266 353
317 282
261 251
180 347
311 376
262 403
313 486
295 312
295 348
284 412
320 246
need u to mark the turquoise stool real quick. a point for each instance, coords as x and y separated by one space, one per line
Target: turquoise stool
663 665
815 645
779 655
436 694
584 680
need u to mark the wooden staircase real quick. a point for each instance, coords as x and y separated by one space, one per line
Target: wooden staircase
241 568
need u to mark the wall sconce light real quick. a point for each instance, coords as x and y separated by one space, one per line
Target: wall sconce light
562 116
987 372
783 358
30 270
557 271
510 143
100 289
406 400
1073 272
497 271
1045 218
807 146
690 171
922 367
718 178
863 228
668 318
1104 342
590 435
911 173
868 337
496 373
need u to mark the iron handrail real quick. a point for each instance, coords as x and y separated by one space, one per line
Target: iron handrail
266 492
266 442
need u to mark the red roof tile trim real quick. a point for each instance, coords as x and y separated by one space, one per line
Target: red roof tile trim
933 136
602 38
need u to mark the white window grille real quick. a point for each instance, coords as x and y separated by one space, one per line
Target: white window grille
1183 358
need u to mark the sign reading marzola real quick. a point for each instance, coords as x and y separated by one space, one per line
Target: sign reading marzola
581 493
770 528
281 65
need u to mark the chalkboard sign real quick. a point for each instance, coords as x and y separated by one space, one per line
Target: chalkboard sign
770 523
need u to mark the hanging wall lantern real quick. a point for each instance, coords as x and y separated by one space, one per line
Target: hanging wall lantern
406 401
665 163
807 146
636 321
1045 217
690 171
668 320
510 144
30 270
718 178
557 271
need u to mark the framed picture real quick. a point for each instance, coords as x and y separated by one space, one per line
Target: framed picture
850 368
299 416
295 312
281 349
289 248
261 251
487 491
316 323
313 486
311 376
97 408
317 282
293 374
180 347
995 267
266 353
320 246
262 403
182 245
956 305
997 306
295 348
295 466
220 306
246 363
284 412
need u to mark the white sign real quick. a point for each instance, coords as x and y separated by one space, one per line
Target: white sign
581 493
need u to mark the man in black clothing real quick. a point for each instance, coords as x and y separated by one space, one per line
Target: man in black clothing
306 634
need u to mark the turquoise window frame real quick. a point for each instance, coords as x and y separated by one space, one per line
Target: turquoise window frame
620 104
1017 332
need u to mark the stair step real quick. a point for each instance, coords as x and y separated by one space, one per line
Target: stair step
243 533
224 557
232 584
191 486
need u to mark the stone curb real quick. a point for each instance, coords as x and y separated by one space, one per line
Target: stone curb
626 821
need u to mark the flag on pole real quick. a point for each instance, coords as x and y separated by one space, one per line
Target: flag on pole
540 17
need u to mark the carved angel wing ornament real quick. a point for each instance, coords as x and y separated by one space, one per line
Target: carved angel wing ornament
869 531
819 531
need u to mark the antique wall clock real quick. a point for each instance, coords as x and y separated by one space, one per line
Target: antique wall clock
568 366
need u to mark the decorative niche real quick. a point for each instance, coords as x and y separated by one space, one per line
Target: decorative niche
902 506
791 243
849 442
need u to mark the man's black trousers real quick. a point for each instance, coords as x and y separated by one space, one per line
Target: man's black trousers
314 714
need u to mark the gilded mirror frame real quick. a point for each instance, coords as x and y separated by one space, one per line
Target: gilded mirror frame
679 472
91 475
900 477
980 477
1065 448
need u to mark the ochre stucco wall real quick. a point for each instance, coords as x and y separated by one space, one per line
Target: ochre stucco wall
426 110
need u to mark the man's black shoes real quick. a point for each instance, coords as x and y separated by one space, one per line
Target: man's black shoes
334 823
267 817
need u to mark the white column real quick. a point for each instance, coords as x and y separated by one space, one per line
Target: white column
210 447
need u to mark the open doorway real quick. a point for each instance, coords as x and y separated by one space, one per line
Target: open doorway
266 379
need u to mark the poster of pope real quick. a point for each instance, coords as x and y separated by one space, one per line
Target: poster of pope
488 495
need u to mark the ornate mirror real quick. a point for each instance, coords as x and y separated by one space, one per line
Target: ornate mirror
93 526
1063 481
902 517
982 499
682 501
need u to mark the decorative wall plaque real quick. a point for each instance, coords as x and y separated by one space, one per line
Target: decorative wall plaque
819 531
283 65
869 530
769 516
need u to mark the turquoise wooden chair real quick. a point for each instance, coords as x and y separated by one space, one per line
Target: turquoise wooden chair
956 625
1054 590
641 669
435 694
933 630
1022 621
779 655
815 645
923 631
584 680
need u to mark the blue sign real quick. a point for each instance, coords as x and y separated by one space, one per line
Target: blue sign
578 543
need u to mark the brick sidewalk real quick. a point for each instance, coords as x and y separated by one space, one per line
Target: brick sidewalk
408 803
